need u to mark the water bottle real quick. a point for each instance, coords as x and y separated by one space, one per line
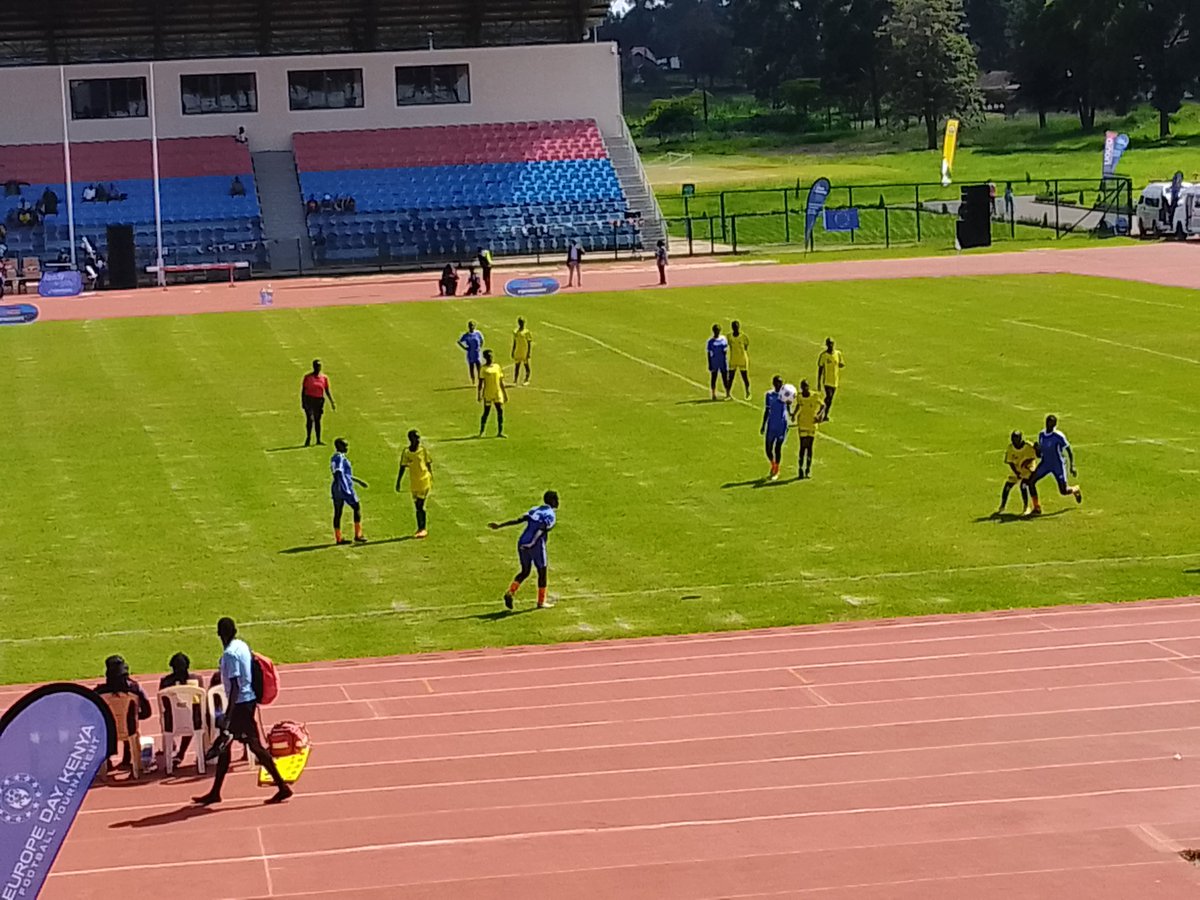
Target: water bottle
266 296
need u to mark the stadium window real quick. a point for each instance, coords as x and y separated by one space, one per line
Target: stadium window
229 92
429 85
325 89
108 98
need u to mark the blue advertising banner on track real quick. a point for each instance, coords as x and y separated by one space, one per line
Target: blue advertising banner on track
53 742
60 284
18 314
531 287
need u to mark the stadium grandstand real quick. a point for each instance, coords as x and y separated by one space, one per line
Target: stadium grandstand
381 132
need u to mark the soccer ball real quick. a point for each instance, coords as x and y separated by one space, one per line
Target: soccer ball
788 392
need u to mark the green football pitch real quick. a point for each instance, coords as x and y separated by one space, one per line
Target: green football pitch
153 480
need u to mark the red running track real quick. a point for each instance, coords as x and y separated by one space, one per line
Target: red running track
1015 754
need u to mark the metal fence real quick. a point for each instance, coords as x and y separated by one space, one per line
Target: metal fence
895 215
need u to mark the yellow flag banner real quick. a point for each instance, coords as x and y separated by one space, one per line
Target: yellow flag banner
949 145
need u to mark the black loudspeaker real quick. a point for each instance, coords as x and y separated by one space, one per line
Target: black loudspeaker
122 263
974 225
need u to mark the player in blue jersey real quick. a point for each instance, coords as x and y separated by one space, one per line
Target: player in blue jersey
1051 445
776 412
718 362
472 342
531 546
342 491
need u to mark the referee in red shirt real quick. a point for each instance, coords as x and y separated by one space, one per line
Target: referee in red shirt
313 392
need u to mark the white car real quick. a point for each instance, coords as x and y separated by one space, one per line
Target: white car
1154 212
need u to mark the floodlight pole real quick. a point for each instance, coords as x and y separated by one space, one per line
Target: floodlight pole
62 81
158 246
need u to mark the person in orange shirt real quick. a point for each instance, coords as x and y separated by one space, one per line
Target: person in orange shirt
313 391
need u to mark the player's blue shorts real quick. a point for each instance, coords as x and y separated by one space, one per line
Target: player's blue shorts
1059 473
350 500
721 367
534 556
474 359
776 434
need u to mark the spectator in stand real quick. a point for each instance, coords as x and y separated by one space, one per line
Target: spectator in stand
339 204
473 283
319 242
351 204
89 194
117 681
236 188
180 664
114 195
327 203
448 283
100 194
49 202
484 257
574 261
241 136
312 206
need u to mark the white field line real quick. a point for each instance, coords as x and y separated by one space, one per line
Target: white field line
640 828
683 378
607 595
1100 340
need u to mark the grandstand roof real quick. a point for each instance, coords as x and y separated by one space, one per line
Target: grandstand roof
53 32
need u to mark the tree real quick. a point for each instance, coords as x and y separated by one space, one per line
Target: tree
932 70
781 39
852 52
704 36
987 22
1036 63
800 95
1167 53
670 117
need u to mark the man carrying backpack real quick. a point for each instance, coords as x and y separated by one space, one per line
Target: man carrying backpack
237 675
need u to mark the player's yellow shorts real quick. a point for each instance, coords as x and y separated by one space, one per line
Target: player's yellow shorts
521 360
1014 479
493 398
737 368
806 432
421 495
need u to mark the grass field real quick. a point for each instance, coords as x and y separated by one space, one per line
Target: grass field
154 483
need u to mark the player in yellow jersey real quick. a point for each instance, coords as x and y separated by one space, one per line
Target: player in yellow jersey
522 350
492 392
739 354
416 460
807 413
1022 460
829 364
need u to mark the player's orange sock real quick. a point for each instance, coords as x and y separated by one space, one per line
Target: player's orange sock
541 596
514 587
358 529
337 535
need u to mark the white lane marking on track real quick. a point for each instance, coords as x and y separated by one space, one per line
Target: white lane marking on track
641 828
779 582
683 378
1100 340
683 795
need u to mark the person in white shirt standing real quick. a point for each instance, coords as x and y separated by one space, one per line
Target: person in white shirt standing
240 724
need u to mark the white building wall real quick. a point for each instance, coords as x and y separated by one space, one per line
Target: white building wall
508 84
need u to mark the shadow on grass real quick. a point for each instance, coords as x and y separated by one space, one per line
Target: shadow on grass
493 616
1002 518
457 387
309 548
765 483
286 449
753 482
1191 571
465 437
701 400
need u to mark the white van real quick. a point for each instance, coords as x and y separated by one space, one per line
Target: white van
1154 210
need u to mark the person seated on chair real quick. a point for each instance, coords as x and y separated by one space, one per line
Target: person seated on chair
117 681
49 202
89 194
448 283
473 283
312 206
351 204
114 194
100 194
241 137
180 676
236 188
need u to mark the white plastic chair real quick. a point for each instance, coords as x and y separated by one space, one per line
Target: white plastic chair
186 704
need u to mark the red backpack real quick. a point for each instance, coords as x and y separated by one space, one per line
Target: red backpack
264 678
287 739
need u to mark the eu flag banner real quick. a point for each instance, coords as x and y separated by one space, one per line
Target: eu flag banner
53 742
841 219
1115 145
817 195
